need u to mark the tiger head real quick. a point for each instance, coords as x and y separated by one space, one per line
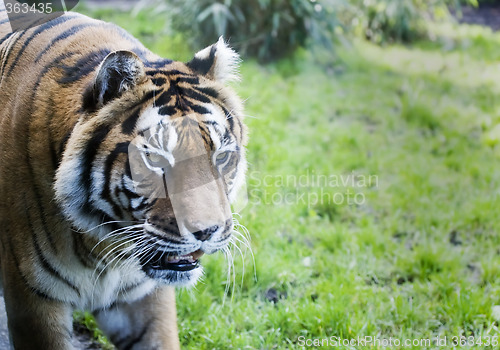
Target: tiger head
155 160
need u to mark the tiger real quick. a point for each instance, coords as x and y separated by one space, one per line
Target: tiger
118 169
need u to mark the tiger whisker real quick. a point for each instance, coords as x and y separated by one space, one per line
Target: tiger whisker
228 274
118 243
117 257
234 245
244 234
233 275
132 259
112 251
121 229
109 223
117 232
105 267
112 238
241 239
245 239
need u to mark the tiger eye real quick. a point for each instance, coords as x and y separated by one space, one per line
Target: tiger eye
154 158
222 156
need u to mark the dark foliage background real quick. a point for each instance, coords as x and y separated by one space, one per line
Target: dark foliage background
272 29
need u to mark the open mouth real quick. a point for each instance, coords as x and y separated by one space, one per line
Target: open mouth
161 261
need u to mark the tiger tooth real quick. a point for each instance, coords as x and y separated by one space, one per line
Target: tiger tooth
173 259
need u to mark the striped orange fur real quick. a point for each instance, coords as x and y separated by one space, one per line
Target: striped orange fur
75 95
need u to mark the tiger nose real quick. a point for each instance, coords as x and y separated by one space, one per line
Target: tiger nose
203 235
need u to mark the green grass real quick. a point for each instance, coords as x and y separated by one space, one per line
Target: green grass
419 256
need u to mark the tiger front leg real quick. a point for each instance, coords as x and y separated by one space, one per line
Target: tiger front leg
35 322
147 324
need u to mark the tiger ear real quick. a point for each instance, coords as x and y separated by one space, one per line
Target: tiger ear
117 73
217 62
